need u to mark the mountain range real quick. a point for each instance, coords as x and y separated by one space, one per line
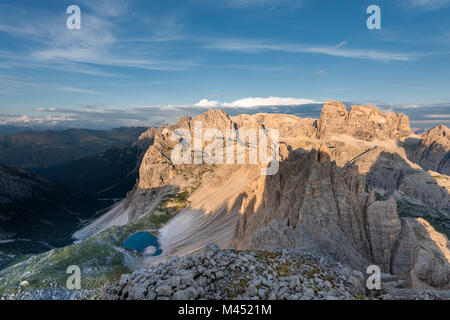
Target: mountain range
43 149
355 186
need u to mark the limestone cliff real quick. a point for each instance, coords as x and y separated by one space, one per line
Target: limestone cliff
362 122
432 150
345 187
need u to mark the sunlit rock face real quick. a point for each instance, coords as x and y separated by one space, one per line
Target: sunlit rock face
362 122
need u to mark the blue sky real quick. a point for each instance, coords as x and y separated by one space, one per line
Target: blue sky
146 62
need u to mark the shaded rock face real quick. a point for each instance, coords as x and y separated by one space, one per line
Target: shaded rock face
391 175
431 268
383 228
326 208
327 203
278 236
432 151
362 122
405 252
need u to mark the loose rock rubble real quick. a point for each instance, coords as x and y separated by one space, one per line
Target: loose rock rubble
228 274
51 293
410 294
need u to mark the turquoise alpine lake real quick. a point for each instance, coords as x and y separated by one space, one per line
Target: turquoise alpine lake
142 240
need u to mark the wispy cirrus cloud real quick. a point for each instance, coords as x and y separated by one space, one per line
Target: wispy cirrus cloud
77 90
99 43
340 50
108 8
240 4
427 5
12 83
19 80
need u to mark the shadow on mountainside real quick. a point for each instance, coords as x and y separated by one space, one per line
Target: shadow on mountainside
417 192
314 204
432 156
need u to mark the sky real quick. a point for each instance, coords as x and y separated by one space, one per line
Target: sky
148 62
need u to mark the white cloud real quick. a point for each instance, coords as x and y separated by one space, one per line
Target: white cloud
408 106
250 102
271 101
432 122
77 90
205 103
320 73
438 116
26 120
102 117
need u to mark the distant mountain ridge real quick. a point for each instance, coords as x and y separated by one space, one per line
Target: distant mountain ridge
11 129
32 149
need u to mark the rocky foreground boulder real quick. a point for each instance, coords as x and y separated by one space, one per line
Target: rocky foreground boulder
229 274
257 275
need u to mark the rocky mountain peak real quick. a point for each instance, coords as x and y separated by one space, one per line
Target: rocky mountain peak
439 131
432 151
217 119
333 118
363 122
439 135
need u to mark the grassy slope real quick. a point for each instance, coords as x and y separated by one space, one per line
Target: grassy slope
101 257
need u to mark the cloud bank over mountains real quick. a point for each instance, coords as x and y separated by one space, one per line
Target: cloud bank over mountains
271 101
99 116
96 115
251 102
